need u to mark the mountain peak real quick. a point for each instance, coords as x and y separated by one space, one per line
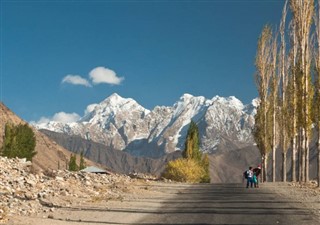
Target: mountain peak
190 98
115 95
231 100
186 96
116 100
113 98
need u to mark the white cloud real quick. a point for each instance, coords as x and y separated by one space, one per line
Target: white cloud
58 117
65 117
41 120
90 108
76 80
104 75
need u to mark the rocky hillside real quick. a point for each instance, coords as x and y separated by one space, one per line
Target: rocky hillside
49 153
25 193
123 124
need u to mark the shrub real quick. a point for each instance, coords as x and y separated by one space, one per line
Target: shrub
205 164
184 170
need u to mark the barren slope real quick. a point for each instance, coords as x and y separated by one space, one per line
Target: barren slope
49 153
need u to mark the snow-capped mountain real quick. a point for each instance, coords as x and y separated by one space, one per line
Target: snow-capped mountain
123 124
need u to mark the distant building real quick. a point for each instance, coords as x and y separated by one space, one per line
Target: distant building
93 169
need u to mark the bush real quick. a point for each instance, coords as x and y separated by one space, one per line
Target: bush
185 170
205 165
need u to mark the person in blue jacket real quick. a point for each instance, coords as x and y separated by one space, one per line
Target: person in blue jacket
248 174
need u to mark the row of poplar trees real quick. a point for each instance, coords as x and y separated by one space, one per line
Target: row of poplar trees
288 82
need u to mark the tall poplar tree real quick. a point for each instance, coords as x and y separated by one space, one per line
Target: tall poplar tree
317 86
302 12
284 128
273 109
192 143
292 97
263 64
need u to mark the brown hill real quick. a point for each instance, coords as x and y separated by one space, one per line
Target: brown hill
228 166
49 155
116 160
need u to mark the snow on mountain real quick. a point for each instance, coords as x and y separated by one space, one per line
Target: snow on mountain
123 124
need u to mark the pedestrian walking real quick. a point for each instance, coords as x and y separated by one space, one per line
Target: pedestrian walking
256 173
248 174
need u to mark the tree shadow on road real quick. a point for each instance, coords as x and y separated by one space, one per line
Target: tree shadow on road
213 204
225 204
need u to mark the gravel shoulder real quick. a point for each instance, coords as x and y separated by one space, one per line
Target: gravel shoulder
307 194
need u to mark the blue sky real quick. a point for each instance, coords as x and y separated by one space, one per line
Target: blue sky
60 56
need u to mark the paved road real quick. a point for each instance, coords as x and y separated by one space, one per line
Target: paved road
192 204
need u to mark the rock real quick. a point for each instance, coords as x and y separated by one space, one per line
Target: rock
46 203
64 193
32 183
59 178
30 196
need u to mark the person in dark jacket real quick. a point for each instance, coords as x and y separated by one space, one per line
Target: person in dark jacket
256 173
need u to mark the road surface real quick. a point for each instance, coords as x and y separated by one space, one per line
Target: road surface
177 204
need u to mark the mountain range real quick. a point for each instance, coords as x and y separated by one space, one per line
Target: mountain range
123 124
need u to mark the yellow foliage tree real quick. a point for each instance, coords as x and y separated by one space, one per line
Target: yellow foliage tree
184 170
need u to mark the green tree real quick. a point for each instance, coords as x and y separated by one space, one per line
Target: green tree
192 143
19 141
82 164
73 163
7 148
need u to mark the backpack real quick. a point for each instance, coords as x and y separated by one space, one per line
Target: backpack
245 174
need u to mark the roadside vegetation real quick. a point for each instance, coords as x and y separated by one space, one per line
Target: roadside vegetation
288 82
194 166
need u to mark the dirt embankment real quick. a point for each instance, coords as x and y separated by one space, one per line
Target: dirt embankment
25 193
